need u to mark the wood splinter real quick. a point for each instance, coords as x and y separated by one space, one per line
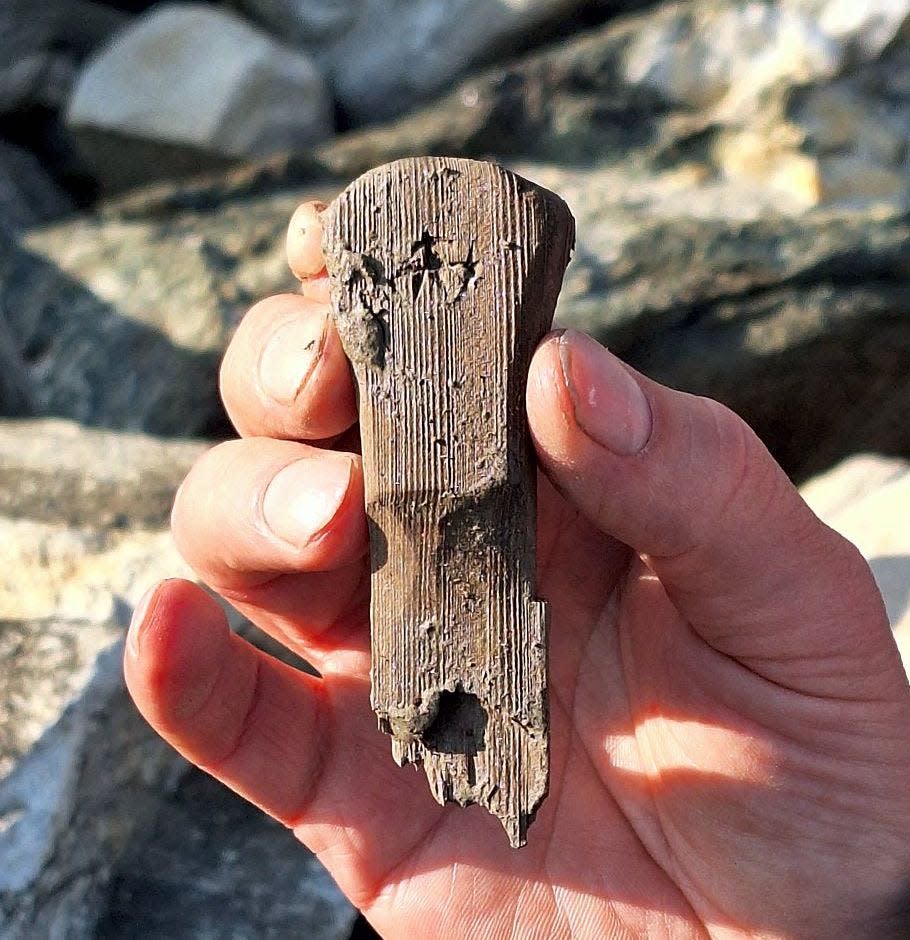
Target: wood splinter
444 277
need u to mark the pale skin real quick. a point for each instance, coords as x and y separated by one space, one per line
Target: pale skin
730 718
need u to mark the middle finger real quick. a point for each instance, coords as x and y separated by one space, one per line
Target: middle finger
285 374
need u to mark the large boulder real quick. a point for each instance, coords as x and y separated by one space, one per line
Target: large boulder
194 82
384 59
122 324
710 253
757 95
392 57
702 283
92 803
799 324
82 533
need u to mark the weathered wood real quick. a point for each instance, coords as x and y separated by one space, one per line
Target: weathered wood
445 274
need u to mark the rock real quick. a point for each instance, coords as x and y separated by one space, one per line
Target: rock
214 867
862 498
122 324
705 252
87 787
703 53
43 45
88 793
84 517
388 60
28 196
247 96
608 97
870 26
699 281
303 22
80 774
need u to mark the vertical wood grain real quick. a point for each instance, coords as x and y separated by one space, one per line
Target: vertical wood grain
445 274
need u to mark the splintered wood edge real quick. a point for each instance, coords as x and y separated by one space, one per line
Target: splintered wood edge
444 278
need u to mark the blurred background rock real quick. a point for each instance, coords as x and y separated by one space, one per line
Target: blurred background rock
739 172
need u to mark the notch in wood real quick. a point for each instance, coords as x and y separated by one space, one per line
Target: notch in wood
444 278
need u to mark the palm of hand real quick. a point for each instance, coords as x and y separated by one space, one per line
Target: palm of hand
730 720
663 767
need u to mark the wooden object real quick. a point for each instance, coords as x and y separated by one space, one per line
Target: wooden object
444 277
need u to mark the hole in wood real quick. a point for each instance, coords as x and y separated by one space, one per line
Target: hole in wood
459 726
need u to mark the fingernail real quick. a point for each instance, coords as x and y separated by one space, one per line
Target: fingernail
290 357
305 496
138 620
609 405
304 241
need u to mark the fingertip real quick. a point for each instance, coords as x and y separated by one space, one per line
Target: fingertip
252 509
549 406
174 648
304 240
285 373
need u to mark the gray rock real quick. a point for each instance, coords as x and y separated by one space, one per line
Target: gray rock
81 776
696 54
700 281
56 472
72 806
122 324
246 96
868 27
393 56
796 323
214 868
28 195
89 796
83 526
727 283
649 92
305 23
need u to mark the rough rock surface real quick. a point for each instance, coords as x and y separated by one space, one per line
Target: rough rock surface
122 323
84 782
863 498
721 259
80 775
304 23
750 115
246 96
214 868
28 196
380 69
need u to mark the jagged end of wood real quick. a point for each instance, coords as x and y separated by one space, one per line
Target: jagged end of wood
444 276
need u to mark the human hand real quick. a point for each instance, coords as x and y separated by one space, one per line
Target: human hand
730 720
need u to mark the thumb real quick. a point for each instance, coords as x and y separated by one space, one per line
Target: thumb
687 484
